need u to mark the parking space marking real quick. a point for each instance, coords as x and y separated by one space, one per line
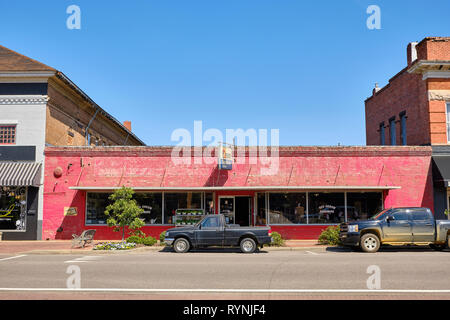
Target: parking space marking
83 259
314 253
15 257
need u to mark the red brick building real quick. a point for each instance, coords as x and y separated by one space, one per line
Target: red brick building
308 188
414 109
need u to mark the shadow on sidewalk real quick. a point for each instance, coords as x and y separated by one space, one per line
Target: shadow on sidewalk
211 250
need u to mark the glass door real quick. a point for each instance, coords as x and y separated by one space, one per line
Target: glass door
226 207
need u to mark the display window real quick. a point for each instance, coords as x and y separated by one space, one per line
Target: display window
316 207
13 208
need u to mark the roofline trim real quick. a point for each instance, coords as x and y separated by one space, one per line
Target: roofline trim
241 188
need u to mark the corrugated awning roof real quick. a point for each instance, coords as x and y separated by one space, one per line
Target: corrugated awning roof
19 174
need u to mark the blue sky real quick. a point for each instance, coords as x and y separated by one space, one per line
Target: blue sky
303 67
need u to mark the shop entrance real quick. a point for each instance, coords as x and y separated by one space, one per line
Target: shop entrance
243 211
236 209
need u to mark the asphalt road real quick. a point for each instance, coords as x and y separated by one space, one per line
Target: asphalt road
227 274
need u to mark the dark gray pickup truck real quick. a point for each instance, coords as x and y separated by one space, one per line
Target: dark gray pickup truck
212 231
396 226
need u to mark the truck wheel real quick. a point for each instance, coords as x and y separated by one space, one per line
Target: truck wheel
370 243
181 245
248 245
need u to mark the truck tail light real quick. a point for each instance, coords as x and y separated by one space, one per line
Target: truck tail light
270 232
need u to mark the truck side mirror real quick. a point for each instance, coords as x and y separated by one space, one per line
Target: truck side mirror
390 218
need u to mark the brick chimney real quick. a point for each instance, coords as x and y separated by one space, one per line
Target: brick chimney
411 52
127 125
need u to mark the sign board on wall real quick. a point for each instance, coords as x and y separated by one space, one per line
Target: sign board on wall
70 211
225 157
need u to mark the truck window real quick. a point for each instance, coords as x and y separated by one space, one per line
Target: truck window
421 215
211 222
401 215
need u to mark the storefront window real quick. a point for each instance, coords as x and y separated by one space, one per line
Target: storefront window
326 207
13 208
287 208
151 203
363 205
182 200
95 208
261 209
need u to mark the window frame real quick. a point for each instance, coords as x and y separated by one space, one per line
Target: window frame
9 125
392 132
382 134
403 133
267 201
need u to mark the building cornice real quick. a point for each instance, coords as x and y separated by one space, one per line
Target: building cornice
20 100
282 151
433 67
25 77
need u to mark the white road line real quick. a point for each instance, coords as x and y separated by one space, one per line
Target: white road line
231 290
314 253
15 257
83 259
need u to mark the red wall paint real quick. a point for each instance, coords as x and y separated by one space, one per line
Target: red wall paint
406 167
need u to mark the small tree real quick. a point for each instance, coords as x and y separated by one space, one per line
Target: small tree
124 211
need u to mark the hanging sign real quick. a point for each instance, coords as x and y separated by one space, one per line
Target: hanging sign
225 157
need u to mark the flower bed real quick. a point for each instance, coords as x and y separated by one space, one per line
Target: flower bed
115 246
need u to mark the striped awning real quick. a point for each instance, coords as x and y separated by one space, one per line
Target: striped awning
19 174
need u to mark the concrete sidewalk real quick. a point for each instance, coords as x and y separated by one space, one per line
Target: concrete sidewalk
64 247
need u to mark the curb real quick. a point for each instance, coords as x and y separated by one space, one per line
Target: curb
145 249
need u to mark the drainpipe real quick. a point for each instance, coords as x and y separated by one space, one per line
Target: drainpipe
89 124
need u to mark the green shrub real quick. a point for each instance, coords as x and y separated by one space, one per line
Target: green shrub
146 241
330 236
134 239
277 240
162 237
149 241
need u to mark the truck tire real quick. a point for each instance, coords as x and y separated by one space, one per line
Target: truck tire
369 243
181 245
248 245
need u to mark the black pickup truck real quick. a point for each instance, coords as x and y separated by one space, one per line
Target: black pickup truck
213 231
396 226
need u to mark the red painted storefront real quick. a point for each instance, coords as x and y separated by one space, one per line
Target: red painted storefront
401 174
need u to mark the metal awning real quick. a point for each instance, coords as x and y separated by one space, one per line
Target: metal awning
441 169
242 188
19 174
